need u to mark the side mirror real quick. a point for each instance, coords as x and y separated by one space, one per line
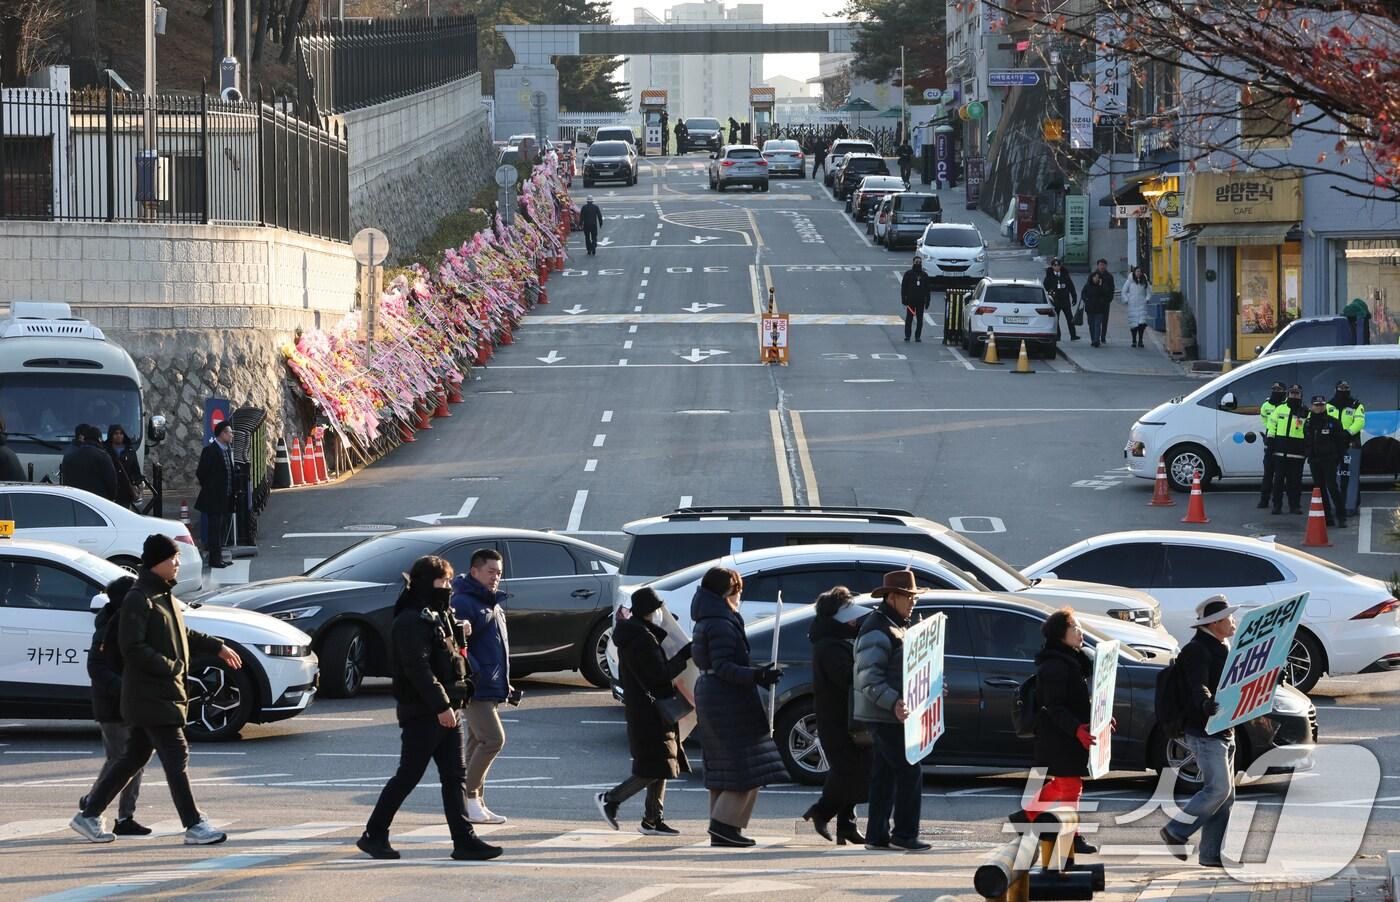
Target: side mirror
1258 349
714 156
155 429
1227 401
1050 575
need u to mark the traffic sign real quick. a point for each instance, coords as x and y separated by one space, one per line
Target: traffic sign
370 246
773 338
1012 78
506 175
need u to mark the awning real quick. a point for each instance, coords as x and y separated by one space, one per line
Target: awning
1244 233
1128 195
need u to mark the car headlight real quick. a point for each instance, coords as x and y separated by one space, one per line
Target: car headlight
297 613
1143 616
285 651
981 258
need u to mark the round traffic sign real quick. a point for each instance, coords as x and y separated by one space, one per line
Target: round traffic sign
370 246
506 175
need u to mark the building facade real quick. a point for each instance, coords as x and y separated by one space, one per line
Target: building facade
714 85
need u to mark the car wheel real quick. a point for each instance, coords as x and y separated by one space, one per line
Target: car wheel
796 732
1307 661
1168 753
719 186
344 659
764 188
126 562
1182 463
220 700
594 665
588 183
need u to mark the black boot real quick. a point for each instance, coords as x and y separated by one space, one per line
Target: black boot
847 831
1083 847
471 848
377 847
820 822
724 835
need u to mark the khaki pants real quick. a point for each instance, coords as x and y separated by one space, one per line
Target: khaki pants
733 807
485 739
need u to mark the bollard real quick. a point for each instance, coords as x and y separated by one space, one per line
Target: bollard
282 467
1005 873
185 514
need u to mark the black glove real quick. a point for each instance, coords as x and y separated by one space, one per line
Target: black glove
768 675
1210 707
685 652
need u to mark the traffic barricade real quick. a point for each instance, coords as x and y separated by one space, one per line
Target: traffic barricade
1009 873
953 300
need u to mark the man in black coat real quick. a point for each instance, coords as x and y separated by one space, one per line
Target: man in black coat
832 634
1101 267
87 466
11 470
215 475
914 290
1199 666
157 650
592 219
1324 444
646 674
1060 287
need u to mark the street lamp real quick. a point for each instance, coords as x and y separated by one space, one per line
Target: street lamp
148 170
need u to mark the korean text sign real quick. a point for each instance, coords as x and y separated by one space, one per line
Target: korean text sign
1258 652
1101 707
923 685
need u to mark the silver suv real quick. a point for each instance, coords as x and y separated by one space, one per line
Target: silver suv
738 164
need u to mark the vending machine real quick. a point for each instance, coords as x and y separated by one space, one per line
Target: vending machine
654 121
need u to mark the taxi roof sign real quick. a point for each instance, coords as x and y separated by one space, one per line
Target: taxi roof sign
7 529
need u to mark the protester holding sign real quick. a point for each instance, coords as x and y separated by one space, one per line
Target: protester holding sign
1199 668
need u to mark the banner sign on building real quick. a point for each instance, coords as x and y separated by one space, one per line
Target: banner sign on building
1076 229
1110 71
1101 707
941 154
1081 115
993 20
1244 196
923 685
1258 653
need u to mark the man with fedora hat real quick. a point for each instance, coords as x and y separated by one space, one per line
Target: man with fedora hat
1199 667
896 786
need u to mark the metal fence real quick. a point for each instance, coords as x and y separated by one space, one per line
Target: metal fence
79 157
885 138
348 64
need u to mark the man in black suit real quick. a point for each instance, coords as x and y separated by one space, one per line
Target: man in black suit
87 466
215 475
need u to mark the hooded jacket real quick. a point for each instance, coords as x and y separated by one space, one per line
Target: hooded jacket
645 674
157 650
429 671
488 649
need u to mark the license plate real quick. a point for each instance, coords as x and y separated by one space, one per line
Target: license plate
1016 320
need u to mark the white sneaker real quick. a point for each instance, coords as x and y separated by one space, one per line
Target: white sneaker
93 829
204 834
478 813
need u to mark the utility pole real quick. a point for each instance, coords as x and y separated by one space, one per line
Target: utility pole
903 87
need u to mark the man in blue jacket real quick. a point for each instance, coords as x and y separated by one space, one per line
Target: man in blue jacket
476 600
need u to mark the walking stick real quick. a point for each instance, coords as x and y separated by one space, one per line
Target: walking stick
773 690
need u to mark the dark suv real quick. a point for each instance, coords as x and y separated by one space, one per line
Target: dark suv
855 167
701 134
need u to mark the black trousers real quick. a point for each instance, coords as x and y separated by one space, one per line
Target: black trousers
424 740
1288 479
896 788
914 321
1324 476
656 794
215 528
169 743
1065 308
590 239
1266 488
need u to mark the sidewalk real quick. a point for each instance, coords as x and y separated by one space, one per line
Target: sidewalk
1116 356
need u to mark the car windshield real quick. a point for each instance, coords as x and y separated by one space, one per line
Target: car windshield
381 559
510 155
918 203
881 183
707 125
609 149
781 146
952 238
847 147
745 153
1014 294
49 405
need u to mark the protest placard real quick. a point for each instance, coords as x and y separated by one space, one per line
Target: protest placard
1101 707
923 686
1258 652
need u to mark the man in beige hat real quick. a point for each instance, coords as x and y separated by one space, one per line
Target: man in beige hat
896 786
1199 667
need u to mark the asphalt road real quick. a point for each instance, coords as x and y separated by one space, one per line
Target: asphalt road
637 389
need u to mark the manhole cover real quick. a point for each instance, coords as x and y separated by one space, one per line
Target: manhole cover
369 527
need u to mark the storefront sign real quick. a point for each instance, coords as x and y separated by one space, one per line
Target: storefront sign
1101 707
1155 140
1237 197
1131 211
974 171
1258 653
1076 229
1081 115
940 157
922 682
1110 71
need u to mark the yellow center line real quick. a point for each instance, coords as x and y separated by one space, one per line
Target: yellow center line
804 457
780 456
753 224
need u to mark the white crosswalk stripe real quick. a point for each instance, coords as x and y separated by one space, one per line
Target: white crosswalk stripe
16 830
438 833
300 831
588 839
760 842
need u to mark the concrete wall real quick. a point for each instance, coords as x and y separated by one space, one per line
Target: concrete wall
416 159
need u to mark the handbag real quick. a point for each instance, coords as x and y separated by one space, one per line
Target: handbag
672 708
1079 316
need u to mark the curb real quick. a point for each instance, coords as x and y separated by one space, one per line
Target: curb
1392 874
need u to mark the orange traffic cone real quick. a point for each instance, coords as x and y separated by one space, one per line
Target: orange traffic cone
989 355
1196 510
322 471
421 409
454 391
1316 536
543 296
1161 489
406 433
543 272
297 477
482 352
559 259
506 337
309 462
184 513
442 410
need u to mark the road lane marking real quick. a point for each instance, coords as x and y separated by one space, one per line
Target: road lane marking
576 512
780 457
622 361
753 224
29 829
632 329
599 439
644 283
590 465
690 319
641 295
757 294
621 364
809 474
45 752
607 416
975 409
587 838
627 345
300 831
1363 533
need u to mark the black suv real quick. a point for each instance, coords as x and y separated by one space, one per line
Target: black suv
855 167
701 134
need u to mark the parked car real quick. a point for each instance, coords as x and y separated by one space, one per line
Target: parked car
561 591
905 218
617 133
954 254
61 513
610 161
1351 624
854 167
785 157
509 154
702 133
871 189
50 592
1215 428
991 641
1314 332
837 153
738 164
1015 310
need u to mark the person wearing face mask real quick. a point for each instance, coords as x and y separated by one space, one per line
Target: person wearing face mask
431 684
1324 443
1062 293
1351 413
646 674
1290 420
478 601
833 635
1278 395
914 291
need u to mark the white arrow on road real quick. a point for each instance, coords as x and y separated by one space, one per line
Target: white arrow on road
630 216
604 242
435 519
552 358
576 310
696 355
612 194
697 307
701 239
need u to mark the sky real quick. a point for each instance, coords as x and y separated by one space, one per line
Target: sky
801 66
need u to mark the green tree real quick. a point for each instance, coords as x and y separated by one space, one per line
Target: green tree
885 25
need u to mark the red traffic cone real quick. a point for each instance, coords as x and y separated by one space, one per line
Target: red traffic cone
297 477
506 337
544 272
482 352
184 513
421 409
1161 489
559 259
322 471
442 410
1316 536
1196 510
454 391
406 433
309 462
543 296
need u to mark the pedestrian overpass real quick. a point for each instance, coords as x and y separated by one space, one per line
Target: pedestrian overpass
536 46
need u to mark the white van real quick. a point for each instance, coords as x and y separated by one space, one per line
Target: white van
1216 428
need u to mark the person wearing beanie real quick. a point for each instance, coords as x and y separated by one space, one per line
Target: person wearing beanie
646 674
156 652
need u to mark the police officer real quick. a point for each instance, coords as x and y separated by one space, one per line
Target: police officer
1351 413
1060 287
1277 396
914 290
1290 417
1324 443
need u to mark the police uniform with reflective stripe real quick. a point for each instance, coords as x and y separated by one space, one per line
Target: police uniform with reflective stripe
1288 458
1352 416
1266 430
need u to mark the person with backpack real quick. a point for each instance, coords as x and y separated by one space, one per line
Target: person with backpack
1188 707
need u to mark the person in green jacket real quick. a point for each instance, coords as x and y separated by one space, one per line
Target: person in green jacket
1289 421
1351 413
1276 399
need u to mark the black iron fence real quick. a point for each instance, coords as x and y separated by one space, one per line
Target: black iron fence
87 157
885 138
348 64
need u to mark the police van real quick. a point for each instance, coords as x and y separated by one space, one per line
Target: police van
57 371
1216 428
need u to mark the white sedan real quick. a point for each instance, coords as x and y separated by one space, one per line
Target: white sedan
61 513
1352 622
